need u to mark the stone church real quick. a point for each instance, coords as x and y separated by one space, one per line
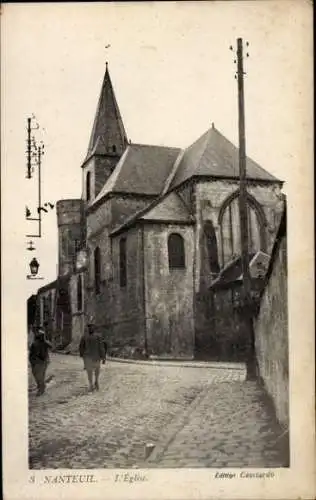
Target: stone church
154 227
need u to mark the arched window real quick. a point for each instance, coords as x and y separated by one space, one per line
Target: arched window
211 246
79 293
229 224
88 186
176 251
97 269
123 269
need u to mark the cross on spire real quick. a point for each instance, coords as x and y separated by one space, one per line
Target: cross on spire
108 133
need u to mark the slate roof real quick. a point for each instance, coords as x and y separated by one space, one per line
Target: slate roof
108 128
49 286
232 272
168 207
215 156
143 170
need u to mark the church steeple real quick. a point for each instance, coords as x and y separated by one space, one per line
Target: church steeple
108 134
107 142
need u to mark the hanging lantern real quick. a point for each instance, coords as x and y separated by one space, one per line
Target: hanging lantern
34 265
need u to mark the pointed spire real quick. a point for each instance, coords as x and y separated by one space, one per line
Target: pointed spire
108 134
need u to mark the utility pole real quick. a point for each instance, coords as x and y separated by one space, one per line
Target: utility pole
243 217
34 155
243 214
40 152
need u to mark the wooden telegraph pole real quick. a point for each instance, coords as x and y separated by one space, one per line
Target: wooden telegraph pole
243 217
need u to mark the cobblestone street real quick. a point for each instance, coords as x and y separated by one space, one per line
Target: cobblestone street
205 416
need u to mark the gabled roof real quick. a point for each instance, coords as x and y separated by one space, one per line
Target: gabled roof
166 208
212 155
108 129
142 170
170 207
232 272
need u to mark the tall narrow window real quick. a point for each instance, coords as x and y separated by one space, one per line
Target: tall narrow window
97 269
88 186
79 293
113 148
77 245
176 251
229 223
211 244
123 270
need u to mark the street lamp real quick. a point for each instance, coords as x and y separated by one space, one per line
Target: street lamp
34 265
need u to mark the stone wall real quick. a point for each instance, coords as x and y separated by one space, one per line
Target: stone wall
271 331
70 232
169 293
126 316
210 196
208 200
77 312
98 220
118 311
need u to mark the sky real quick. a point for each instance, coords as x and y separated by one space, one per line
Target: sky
173 75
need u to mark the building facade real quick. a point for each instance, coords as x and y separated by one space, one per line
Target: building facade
153 228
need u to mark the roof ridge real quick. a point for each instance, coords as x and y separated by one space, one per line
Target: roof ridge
213 155
117 112
206 142
173 172
237 149
153 145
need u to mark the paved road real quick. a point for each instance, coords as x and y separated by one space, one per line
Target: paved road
195 417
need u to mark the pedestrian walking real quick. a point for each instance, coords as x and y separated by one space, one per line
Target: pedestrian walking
39 359
105 345
91 349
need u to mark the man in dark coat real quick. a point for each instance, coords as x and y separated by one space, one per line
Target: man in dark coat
91 349
39 359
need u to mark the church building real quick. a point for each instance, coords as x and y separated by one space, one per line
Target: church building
154 227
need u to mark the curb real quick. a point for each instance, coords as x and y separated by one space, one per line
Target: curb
173 429
181 364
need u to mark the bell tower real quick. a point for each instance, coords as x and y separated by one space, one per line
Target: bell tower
107 143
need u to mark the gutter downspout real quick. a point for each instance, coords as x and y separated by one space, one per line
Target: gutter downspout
144 290
195 246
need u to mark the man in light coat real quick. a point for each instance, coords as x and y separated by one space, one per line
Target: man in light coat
91 349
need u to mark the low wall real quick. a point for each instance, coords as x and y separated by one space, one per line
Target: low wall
271 332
